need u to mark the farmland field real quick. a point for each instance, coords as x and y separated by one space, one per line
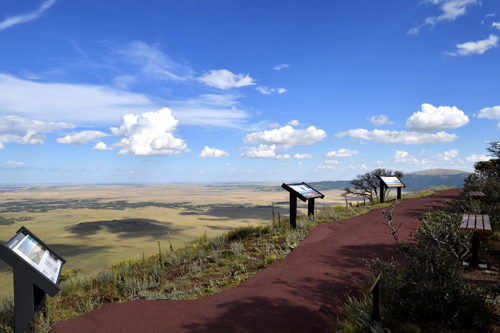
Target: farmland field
93 226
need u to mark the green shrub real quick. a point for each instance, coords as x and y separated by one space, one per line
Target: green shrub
426 285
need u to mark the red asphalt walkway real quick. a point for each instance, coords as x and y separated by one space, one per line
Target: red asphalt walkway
302 293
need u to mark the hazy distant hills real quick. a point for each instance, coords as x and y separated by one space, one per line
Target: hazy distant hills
421 180
414 181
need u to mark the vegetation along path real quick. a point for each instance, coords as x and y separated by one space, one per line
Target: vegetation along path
302 293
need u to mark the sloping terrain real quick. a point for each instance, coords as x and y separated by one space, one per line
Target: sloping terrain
302 293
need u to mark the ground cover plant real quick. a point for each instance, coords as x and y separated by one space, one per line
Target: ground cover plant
204 268
426 288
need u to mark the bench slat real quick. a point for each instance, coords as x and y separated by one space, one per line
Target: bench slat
479 224
465 220
487 225
477 194
471 226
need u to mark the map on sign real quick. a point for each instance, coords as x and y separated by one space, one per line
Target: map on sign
36 255
305 191
392 181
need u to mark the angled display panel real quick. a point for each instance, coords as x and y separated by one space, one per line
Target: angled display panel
392 182
31 257
36 255
303 191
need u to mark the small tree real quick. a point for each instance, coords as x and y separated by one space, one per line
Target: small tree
367 185
494 148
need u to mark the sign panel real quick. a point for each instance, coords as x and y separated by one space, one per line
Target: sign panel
304 191
36 255
392 181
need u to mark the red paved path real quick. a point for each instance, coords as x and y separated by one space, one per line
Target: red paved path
302 293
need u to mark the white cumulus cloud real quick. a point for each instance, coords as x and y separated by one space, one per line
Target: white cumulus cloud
496 25
224 79
102 146
380 120
212 152
341 153
408 138
357 167
10 21
446 156
478 47
262 151
269 91
404 157
477 158
78 139
149 134
275 125
287 135
284 157
432 118
325 167
293 123
490 113
332 162
302 156
265 90
25 131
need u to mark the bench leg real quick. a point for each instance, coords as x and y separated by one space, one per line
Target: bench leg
475 258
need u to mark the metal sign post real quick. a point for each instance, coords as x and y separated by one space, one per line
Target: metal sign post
305 193
36 273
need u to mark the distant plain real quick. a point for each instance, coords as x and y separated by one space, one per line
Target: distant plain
93 226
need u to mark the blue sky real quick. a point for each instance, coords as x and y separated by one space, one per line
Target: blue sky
178 91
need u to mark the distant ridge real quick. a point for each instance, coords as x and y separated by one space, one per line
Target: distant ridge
437 172
421 180
414 181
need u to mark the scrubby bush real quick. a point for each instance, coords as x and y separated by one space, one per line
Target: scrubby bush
425 283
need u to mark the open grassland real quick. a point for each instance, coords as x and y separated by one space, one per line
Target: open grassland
93 226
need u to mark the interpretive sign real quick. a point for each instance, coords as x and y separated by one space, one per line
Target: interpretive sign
36 255
305 193
36 272
390 182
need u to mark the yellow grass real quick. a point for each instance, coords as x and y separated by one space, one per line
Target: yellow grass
88 250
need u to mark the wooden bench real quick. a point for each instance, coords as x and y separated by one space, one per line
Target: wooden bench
476 194
479 224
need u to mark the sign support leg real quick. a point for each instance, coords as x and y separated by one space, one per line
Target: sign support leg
24 307
293 210
381 192
310 209
399 193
